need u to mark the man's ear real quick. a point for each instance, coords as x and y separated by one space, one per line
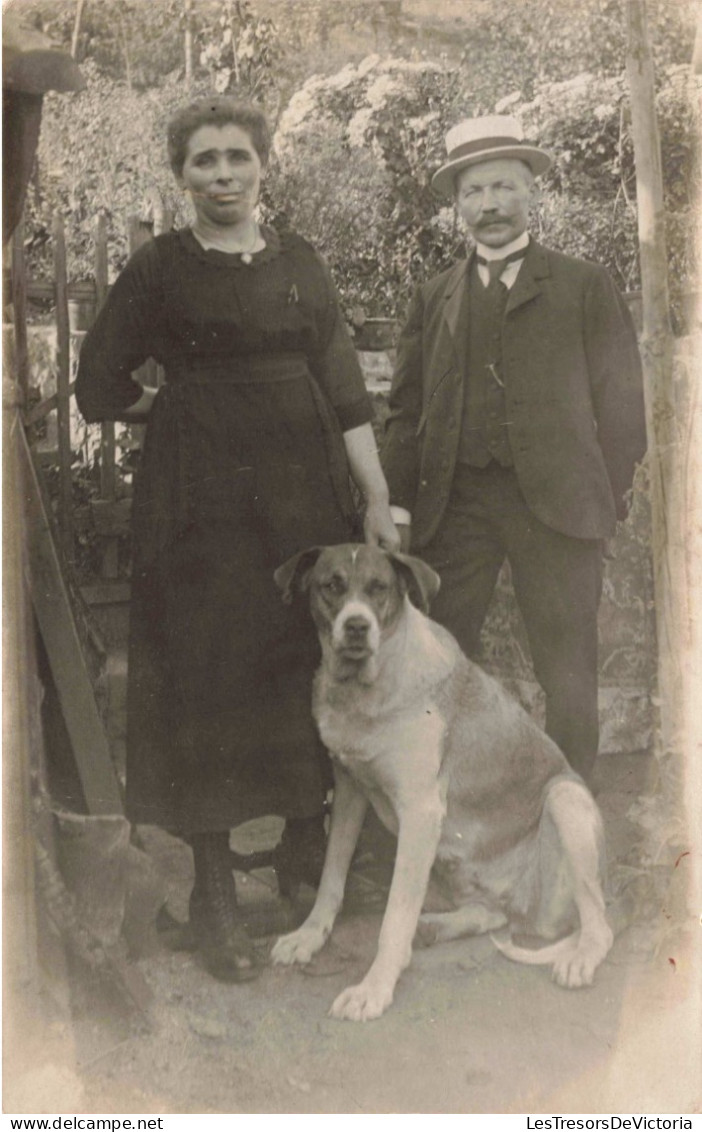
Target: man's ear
422 583
293 576
535 193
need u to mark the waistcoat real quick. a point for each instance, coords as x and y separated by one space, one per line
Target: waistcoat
484 436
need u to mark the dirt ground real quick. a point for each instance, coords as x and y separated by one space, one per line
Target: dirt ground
469 1032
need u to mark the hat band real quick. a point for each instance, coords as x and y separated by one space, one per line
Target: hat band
483 144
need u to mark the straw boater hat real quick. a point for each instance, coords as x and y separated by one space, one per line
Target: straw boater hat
485 139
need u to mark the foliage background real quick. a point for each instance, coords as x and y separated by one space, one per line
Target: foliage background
359 132
361 94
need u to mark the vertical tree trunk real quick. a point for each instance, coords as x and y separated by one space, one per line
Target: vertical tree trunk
80 5
125 49
666 457
188 41
235 25
697 48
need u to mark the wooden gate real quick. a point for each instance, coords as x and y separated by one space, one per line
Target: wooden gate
72 642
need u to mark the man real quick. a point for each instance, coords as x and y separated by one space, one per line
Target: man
516 421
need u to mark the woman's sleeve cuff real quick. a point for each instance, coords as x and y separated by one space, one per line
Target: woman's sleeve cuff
358 413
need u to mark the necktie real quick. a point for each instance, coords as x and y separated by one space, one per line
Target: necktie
496 266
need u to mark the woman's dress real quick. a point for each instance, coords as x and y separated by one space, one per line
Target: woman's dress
243 465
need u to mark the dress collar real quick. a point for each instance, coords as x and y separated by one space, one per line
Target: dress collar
233 259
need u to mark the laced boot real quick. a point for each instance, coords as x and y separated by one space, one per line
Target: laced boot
299 855
221 939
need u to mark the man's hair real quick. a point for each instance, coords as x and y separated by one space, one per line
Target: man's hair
218 110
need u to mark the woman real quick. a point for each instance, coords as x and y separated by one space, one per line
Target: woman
246 461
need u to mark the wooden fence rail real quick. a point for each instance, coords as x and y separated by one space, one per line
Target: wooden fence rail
74 649
76 304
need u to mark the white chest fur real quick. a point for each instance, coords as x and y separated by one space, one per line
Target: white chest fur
389 734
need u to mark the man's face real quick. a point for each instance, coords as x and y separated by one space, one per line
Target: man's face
493 199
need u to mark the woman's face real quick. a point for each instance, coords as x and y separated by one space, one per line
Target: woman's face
222 172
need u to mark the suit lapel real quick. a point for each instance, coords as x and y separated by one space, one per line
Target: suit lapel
452 355
457 312
528 282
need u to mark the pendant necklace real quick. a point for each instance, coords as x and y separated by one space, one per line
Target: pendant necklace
247 256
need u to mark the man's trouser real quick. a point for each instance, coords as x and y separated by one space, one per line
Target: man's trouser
557 582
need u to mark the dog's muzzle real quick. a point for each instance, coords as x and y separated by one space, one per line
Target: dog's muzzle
356 633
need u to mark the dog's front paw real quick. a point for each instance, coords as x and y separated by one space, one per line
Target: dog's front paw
573 971
577 968
363 1002
299 946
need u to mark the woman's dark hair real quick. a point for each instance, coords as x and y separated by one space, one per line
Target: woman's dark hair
218 110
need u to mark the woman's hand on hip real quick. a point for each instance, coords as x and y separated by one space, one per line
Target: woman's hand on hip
142 407
378 526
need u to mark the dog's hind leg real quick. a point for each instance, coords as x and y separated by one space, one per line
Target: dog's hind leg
472 919
348 811
574 813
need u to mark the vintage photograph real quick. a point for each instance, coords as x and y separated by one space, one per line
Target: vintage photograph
352 520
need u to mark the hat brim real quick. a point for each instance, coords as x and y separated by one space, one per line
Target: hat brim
443 181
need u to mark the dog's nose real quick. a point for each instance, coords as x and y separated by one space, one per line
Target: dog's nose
356 626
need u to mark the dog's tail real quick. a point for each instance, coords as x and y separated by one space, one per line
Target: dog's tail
537 956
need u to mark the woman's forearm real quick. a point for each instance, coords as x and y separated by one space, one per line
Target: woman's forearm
367 474
362 453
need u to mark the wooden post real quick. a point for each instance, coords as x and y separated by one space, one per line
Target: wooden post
63 393
19 303
75 38
125 47
139 233
162 223
188 42
108 478
665 438
57 623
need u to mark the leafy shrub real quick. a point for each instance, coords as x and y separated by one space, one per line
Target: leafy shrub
588 205
357 144
379 223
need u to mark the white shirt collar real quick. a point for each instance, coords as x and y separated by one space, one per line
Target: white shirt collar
500 253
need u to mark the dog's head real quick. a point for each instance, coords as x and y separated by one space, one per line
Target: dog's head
357 595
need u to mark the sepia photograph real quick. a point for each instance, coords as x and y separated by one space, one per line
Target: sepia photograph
352 559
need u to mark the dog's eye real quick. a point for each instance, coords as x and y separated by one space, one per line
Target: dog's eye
333 586
377 588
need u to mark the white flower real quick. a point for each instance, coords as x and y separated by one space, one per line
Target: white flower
419 125
383 88
367 65
342 78
358 126
505 103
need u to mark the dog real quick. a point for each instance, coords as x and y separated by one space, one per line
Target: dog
477 795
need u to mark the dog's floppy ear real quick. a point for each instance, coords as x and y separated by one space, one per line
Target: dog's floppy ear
422 582
293 576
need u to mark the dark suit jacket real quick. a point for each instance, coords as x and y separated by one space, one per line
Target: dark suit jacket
573 386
